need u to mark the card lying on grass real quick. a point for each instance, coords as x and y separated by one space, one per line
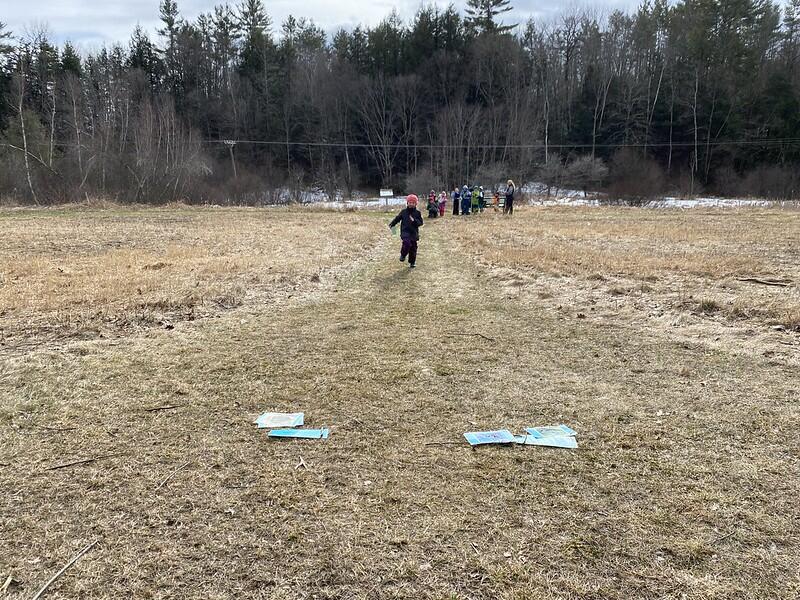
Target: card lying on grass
479 438
306 434
551 431
553 441
271 420
558 436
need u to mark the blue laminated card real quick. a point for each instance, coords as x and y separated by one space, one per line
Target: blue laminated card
551 431
479 438
306 434
552 441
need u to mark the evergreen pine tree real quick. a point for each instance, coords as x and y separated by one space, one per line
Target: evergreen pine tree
482 15
5 36
70 61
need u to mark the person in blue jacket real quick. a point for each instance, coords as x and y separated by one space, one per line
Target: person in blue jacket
456 195
466 200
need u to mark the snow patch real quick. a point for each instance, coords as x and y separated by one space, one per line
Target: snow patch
538 194
366 203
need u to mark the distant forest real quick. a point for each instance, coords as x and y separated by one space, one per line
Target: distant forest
676 97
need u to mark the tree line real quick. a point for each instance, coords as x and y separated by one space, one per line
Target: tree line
691 96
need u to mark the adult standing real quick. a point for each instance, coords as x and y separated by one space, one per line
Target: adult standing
456 201
508 209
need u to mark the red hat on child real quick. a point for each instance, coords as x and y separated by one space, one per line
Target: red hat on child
412 200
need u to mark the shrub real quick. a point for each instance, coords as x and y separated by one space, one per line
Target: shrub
585 172
634 176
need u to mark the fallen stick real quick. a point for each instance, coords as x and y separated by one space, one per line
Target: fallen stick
444 443
472 334
724 537
78 462
64 568
171 475
772 282
54 428
157 408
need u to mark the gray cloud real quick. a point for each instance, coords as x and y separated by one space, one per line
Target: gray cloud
91 23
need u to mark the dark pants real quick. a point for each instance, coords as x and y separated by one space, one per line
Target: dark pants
409 249
508 209
456 202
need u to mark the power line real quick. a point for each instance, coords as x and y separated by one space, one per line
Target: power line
537 146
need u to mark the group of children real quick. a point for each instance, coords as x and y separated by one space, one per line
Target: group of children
466 201
469 200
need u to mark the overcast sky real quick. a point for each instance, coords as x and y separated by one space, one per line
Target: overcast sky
90 23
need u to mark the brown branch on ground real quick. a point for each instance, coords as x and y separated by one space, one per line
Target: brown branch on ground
470 335
64 568
772 282
53 428
158 408
171 475
79 462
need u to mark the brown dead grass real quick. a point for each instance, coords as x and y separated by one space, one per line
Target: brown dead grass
685 485
687 260
83 272
641 244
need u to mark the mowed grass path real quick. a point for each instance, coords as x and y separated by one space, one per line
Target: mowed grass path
685 486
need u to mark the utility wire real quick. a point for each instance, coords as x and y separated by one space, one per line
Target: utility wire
284 143
542 146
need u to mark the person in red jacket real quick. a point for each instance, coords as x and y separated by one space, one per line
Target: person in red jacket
411 220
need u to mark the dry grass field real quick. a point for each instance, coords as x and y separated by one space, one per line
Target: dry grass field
642 330
84 274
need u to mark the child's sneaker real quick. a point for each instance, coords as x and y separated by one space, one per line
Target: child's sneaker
402 258
412 265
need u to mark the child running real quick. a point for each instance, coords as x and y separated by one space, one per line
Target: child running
411 220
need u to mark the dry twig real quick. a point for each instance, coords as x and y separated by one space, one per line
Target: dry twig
171 475
64 568
472 335
83 461
772 282
158 408
53 428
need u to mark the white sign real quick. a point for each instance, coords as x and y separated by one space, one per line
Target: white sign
387 193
